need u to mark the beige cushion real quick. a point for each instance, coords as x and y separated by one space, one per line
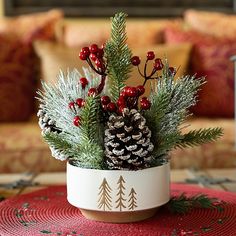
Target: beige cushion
56 56
140 32
212 23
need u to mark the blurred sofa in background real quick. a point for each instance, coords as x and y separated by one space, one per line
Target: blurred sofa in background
30 52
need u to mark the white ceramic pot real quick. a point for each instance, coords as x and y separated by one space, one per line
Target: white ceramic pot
117 195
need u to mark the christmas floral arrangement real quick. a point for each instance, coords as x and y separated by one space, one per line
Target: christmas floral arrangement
97 121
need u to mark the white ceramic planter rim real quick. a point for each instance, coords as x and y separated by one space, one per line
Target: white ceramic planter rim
101 190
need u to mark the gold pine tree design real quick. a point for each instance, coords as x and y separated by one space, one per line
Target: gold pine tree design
132 199
120 200
104 201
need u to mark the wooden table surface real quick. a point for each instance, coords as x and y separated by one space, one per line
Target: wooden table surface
14 184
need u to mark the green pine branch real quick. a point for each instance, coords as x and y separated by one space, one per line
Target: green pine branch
59 142
118 55
183 204
198 137
89 156
91 146
165 144
90 125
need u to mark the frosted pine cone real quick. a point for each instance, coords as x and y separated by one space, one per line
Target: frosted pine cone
45 123
127 141
48 125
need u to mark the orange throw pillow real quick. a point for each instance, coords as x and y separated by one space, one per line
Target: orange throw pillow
210 58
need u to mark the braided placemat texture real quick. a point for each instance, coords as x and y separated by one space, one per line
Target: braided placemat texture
47 212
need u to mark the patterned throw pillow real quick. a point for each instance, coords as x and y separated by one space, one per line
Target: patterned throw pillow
18 62
212 23
210 58
16 80
32 26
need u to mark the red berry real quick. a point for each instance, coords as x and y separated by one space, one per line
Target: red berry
150 55
100 53
71 105
92 92
93 57
140 89
123 94
83 56
145 104
120 101
143 99
172 71
105 100
158 65
132 92
83 82
93 48
86 51
111 107
125 89
135 60
80 102
76 120
98 63
121 109
104 107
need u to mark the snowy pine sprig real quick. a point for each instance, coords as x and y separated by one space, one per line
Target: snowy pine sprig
73 142
171 100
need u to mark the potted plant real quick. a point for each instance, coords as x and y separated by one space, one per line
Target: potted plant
115 140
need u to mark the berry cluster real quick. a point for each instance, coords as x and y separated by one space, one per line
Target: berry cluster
129 96
94 54
157 66
128 99
95 58
80 102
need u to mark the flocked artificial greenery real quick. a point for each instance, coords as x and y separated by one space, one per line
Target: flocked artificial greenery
170 98
82 145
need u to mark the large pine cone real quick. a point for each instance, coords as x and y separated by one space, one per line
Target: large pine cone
127 141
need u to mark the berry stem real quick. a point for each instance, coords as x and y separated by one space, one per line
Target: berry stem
145 81
100 87
150 76
101 72
92 66
140 72
145 69
153 72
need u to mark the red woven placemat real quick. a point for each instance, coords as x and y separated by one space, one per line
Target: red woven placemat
47 212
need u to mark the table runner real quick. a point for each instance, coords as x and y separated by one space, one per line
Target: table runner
47 212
